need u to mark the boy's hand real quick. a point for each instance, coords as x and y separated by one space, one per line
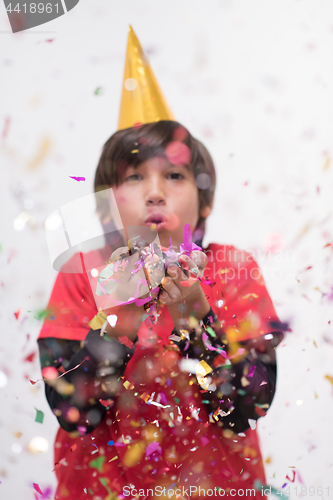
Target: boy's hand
181 285
130 285
134 276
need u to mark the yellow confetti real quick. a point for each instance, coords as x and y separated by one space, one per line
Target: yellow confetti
202 369
134 454
329 378
250 295
327 163
135 151
193 322
41 154
128 385
97 321
145 396
135 424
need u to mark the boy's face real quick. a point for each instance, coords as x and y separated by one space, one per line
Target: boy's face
161 195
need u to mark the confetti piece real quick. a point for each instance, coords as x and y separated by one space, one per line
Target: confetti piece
33 382
97 463
39 416
99 91
133 454
111 443
37 488
126 341
152 448
327 163
114 458
250 295
188 246
329 378
6 127
30 358
73 448
41 154
135 151
42 314
293 479
78 178
17 313
128 385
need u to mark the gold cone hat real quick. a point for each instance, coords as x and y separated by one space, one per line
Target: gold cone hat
142 100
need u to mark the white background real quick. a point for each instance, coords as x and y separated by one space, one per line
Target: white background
252 79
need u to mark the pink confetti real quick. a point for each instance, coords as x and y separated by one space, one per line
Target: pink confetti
6 127
37 488
204 441
153 447
178 153
188 246
78 178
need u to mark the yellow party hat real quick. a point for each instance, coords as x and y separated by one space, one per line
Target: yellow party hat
142 100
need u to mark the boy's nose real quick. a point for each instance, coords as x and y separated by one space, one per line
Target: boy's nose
155 200
155 195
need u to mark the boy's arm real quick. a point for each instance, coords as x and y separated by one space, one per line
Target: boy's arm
87 372
237 389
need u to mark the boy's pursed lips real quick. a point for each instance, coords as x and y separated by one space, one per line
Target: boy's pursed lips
156 219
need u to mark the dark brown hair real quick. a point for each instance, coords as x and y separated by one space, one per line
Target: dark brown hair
132 146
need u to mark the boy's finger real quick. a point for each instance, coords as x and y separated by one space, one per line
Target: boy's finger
176 273
171 289
120 252
199 258
191 268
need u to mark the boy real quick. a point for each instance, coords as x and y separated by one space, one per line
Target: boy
160 406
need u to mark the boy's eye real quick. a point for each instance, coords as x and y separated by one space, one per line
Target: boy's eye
133 177
176 175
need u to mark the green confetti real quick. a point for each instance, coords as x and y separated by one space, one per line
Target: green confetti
104 481
211 331
99 91
97 463
205 401
41 314
177 400
39 416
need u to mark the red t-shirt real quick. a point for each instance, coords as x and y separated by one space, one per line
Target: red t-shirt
158 434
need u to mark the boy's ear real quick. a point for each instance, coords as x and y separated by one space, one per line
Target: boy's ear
205 211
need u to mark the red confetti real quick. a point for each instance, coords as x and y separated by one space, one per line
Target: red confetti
73 448
126 341
37 488
106 402
293 479
17 313
260 411
6 127
30 358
